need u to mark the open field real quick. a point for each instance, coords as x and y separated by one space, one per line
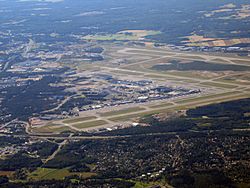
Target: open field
221 85
56 174
161 105
210 101
128 35
241 62
152 53
192 57
75 120
89 124
125 72
239 82
150 68
187 74
128 117
49 174
206 97
52 129
241 79
204 125
183 106
119 112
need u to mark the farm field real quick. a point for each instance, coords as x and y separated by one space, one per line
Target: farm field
55 174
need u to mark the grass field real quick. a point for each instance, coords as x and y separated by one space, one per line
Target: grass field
161 105
212 101
242 62
131 35
227 81
188 74
180 107
56 174
89 124
142 185
75 120
123 111
220 85
240 79
126 117
204 125
219 60
52 129
191 57
150 53
206 97
166 77
49 174
126 72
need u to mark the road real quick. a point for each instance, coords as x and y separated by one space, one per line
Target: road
60 145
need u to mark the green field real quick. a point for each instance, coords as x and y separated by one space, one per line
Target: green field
211 101
121 36
132 116
206 97
124 111
89 124
110 37
188 74
191 57
246 62
126 72
56 174
166 77
52 129
219 60
75 120
220 85
180 107
240 79
228 81
161 105
204 125
150 53
49 174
